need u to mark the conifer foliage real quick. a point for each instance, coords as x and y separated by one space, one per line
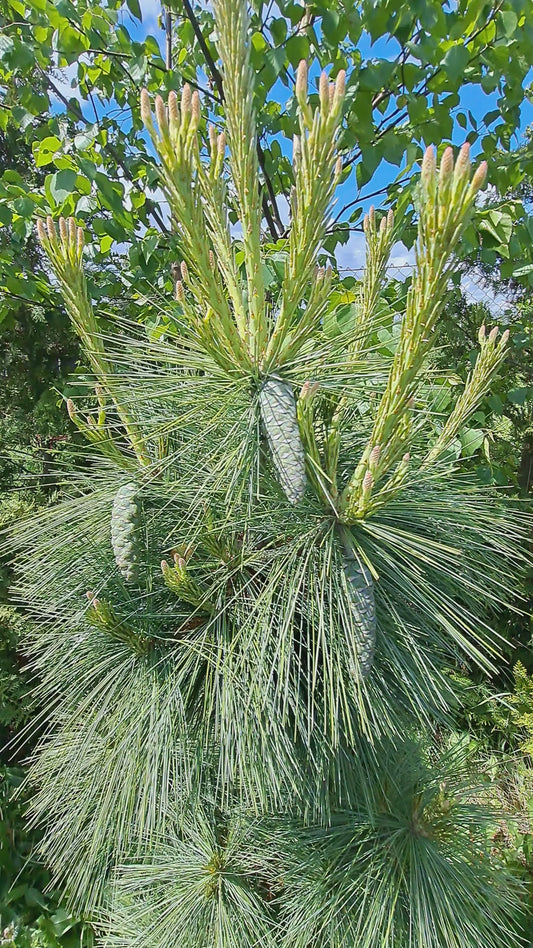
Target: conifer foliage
249 602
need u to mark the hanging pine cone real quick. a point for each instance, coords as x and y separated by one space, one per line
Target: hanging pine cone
361 592
124 524
278 414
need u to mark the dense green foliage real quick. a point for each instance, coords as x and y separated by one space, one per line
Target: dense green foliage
85 156
408 69
31 916
39 352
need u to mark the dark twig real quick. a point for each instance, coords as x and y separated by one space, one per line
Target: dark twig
168 34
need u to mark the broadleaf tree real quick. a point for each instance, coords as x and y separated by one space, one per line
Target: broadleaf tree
416 75
249 604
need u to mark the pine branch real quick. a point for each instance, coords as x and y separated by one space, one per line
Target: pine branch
97 432
65 254
477 385
273 218
176 142
445 201
214 191
179 580
378 248
316 173
102 616
233 27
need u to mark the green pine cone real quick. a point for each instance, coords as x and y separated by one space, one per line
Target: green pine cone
278 414
361 592
124 524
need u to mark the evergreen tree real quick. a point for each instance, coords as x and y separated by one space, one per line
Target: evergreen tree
249 604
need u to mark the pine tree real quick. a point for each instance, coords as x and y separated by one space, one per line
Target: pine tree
248 605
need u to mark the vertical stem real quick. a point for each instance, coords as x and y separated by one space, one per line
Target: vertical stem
233 23
168 30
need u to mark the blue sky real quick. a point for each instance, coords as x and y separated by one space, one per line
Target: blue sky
473 100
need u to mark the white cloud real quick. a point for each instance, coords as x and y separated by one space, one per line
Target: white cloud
401 262
351 256
151 11
158 197
284 209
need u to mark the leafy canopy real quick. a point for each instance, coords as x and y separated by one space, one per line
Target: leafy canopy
413 74
249 602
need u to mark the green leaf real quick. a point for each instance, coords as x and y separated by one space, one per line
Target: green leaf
276 59
519 396
21 55
106 242
278 28
138 67
523 270
62 922
84 139
509 21
45 150
149 245
471 440
135 8
59 186
34 897
297 48
456 61
111 192
259 42
495 404
24 206
500 226
331 26
70 40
